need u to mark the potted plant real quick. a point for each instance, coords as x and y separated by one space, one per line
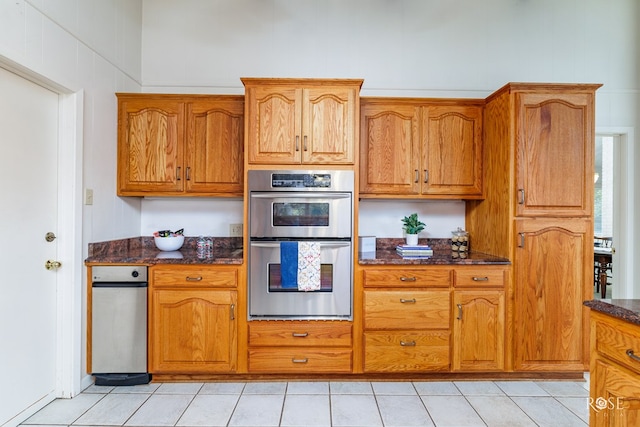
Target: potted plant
412 226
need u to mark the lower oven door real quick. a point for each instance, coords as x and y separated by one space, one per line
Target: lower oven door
268 298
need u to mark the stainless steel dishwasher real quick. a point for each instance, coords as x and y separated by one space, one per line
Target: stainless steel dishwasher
119 325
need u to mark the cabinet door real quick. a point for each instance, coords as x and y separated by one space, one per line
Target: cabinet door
274 124
478 330
215 132
553 275
329 125
150 151
389 149
614 397
192 331
452 151
554 159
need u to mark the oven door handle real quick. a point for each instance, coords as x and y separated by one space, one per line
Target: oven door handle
300 195
322 244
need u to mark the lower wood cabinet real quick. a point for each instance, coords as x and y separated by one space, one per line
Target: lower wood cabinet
303 347
192 320
615 372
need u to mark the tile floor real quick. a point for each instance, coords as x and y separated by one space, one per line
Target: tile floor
333 403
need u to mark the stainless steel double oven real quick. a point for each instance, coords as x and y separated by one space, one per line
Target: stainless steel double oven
301 206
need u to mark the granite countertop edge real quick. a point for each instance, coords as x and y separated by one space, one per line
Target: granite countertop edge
623 309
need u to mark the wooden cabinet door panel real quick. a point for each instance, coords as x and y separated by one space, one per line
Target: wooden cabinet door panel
452 151
551 282
215 141
478 330
408 309
193 331
389 149
274 124
150 152
300 334
300 360
328 128
615 397
554 161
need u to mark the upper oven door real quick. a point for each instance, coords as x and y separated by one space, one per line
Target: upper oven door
300 215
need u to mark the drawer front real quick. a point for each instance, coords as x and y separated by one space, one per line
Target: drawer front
299 360
407 277
406 351
615 341
479 277
195 277
406 309
300 334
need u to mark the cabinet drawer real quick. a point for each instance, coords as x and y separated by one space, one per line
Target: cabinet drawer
300 334
479 277
406 351
198 277
300 360
406 309
615 341
407 277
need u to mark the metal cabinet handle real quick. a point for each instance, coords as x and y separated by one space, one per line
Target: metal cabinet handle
300 334
178 173
521 194
632 355
426 176
408 279
407 343
304 146
459 312
297 142
194 279
417 178
521 243
233 312
408 301
480 279
188 173
305 360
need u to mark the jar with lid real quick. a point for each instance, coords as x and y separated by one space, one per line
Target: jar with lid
460 242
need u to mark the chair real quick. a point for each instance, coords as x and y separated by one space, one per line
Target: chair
602 264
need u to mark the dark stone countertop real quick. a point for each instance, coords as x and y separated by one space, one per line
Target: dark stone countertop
385 254
142 250
623 309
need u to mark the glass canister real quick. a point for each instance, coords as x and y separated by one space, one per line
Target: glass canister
459 243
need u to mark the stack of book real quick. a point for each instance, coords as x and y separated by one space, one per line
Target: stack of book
414 251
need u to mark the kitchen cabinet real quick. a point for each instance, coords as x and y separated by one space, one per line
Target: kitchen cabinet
421 148
300 347
301 121
537 211
180 145
615 375
406 319
192 319
479 319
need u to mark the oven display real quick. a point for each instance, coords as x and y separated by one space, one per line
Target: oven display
301 180
275 279
295 214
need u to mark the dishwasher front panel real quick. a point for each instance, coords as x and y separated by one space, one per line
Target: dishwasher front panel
119 328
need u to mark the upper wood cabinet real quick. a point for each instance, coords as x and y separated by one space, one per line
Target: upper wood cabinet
176 145
554 159
301 121
421 147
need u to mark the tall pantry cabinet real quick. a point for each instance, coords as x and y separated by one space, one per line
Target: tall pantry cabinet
538 212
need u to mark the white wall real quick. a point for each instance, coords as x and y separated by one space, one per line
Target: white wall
455 48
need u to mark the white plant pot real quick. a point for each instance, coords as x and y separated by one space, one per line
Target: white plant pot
412 239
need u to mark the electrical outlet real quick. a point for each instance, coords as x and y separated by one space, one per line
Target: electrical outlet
88 196
235 230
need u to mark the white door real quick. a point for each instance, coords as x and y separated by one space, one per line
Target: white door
29 193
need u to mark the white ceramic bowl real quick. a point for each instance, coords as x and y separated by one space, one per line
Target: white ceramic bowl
171 243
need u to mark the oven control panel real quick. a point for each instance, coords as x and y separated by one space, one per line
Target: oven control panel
301 180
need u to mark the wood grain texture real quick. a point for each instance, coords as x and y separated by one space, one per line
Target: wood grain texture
300 333
406 351
407 277
299 360
406 309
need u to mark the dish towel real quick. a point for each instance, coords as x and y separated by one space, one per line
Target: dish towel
308 266
289 265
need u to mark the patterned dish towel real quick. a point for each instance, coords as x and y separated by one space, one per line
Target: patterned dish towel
308 266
